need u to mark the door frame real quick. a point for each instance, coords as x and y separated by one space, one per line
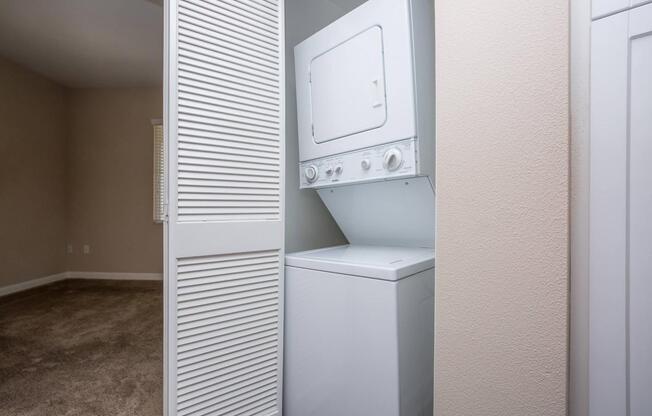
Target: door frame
169 98
580 48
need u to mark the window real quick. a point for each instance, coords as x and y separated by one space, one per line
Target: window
159 172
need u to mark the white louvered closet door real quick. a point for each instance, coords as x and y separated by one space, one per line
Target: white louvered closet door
224 123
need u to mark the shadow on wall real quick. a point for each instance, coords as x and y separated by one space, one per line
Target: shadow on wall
308 223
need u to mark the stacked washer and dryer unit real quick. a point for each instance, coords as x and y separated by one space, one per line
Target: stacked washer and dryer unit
359 319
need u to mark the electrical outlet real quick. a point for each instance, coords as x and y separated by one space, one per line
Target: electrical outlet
69 248
87 249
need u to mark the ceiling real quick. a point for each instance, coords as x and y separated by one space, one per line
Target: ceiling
86 43
91 43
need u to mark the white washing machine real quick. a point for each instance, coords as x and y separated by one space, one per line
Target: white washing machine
359 332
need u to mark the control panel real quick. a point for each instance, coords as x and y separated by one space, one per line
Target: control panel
398 159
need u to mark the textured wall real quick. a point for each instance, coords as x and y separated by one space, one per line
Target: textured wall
502 183
32 175
109 181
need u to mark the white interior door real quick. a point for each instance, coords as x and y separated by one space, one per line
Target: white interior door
224 236
620 351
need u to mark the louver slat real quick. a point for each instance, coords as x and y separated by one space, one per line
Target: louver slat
227 334
229 111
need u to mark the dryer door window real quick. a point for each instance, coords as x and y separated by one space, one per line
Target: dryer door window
347 87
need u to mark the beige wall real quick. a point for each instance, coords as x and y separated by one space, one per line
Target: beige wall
109 181
32 172
502 183
75 168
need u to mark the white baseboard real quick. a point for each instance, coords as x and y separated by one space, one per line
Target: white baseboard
114 276
30 284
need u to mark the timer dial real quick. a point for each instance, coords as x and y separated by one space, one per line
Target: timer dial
392 159
311 173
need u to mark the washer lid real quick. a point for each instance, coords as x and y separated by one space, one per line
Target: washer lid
378 262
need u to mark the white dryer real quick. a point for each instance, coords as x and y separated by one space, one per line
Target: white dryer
366 114
366 95
359 332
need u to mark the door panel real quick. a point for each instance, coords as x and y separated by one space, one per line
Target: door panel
608 216
640 211
620 351
227 333
224 235
603 7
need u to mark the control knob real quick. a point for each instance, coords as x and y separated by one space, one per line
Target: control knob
312 173
392 159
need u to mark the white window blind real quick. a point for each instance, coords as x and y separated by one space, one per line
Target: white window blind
159 172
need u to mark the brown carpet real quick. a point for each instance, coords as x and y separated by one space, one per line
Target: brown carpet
82 347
